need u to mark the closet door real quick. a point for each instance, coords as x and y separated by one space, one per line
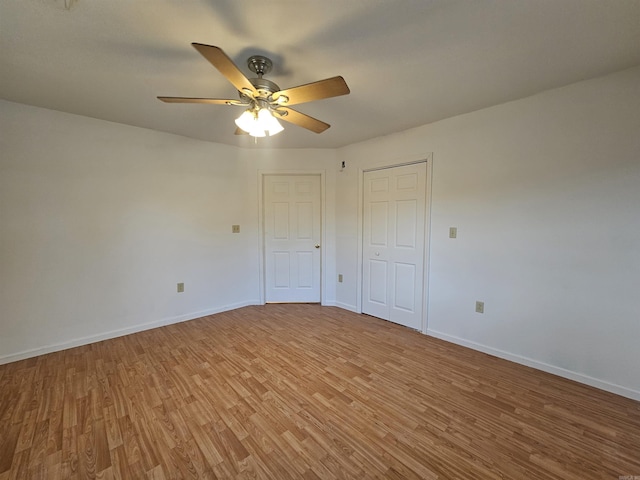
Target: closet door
393 243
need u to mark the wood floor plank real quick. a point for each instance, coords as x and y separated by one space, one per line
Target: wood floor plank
10 436
303 391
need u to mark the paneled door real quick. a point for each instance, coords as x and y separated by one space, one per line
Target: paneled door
393 243
292 236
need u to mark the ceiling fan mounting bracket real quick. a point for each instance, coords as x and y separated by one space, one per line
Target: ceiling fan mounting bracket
259 65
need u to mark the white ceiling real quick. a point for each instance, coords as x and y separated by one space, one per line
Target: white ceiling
407 62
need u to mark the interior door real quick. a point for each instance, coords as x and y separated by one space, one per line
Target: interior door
393 243
292 234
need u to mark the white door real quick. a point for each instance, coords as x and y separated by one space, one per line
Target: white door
292 236
393 243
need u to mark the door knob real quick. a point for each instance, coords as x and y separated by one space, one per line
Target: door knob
377 254
317 245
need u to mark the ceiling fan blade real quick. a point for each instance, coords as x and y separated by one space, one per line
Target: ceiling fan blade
302 120
331 87
225 65
211 101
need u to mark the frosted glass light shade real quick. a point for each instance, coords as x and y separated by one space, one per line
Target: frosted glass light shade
246 121
256 130
259 125
269 122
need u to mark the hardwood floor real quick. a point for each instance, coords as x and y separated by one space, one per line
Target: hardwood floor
302 391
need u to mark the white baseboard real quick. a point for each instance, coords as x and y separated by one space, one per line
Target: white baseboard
346 306
76 342
545 367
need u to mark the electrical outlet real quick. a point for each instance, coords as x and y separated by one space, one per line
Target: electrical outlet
453 232
480 307
180 287
235 228
339 278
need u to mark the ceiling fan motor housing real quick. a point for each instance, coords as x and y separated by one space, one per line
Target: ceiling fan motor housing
264 86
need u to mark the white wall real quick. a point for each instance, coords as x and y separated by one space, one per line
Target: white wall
99 221
545 193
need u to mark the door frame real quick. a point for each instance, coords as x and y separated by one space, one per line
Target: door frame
409 160
262 250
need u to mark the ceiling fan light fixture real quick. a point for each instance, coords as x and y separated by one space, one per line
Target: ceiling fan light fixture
259 124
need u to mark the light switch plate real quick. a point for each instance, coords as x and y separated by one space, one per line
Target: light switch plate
235 228
180 287
453 232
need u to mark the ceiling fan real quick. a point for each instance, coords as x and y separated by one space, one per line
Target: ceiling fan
264 101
